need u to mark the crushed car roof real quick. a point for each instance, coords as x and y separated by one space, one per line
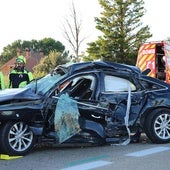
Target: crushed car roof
71 68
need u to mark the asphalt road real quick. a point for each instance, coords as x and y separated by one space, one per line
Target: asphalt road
134 156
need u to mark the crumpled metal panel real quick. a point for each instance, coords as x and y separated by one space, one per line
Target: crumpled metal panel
18 93
66 118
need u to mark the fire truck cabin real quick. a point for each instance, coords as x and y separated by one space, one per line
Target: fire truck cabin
156 57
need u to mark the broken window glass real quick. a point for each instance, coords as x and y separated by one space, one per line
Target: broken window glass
66 118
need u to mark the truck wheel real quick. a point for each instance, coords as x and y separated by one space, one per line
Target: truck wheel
157 126
16 138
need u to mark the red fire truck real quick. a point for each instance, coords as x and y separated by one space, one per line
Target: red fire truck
156 57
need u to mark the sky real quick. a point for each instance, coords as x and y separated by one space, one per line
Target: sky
38 19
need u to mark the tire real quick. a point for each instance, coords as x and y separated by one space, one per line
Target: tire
157 126
16 138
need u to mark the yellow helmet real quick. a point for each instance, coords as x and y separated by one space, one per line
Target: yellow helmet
21 58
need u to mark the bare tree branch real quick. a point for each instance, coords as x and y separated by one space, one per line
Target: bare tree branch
72 29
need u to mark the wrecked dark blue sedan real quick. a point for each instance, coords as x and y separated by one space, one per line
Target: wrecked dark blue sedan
91 103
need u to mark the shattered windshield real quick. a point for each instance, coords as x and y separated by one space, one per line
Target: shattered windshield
43 85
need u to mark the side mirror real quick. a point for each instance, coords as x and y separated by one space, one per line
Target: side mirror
147 71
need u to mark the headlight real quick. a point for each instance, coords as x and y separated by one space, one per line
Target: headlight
7 112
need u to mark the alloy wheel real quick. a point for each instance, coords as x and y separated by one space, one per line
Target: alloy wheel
20 137
162 126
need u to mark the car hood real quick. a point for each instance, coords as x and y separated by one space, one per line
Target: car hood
18 93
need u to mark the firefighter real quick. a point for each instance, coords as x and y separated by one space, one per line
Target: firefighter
19 76
2 84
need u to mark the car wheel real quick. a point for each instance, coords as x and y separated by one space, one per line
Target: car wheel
157 126
16 138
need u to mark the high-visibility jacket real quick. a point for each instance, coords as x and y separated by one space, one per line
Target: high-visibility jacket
2 84
19 78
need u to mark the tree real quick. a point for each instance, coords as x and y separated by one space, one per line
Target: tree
122 31
46 45
49 62
72 30
49 44
9 51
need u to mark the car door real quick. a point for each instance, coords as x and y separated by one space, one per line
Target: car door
73 105
122 97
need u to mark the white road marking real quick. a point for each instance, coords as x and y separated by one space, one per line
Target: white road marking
88 166
148 151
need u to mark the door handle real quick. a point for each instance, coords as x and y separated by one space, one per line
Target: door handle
97 117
